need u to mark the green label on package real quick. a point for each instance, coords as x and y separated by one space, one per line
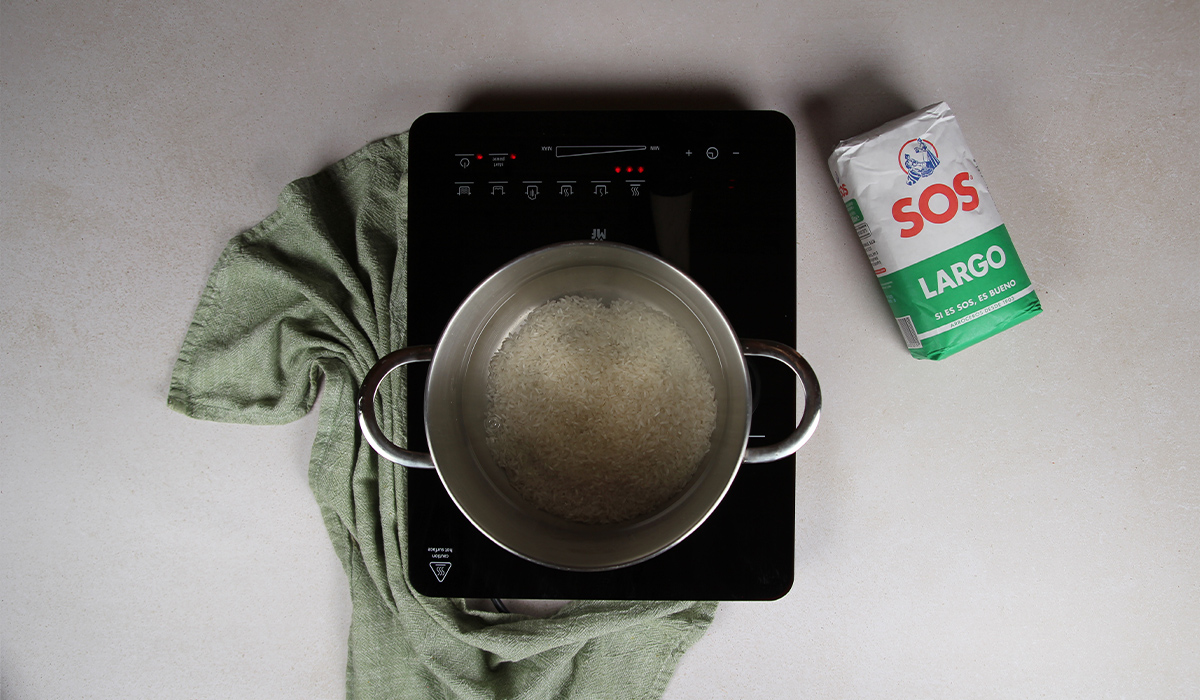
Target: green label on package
943 302
856 216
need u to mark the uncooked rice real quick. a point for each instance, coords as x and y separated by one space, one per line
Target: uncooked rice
599 413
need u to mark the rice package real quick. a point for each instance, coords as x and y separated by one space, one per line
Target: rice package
940 251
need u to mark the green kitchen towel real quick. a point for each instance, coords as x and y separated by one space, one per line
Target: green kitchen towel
316 293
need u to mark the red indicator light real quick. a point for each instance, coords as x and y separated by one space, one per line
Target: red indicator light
478 156
641 169
629 169
513 156
617 169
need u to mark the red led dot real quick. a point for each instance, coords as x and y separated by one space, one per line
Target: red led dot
512 156
478 156
641 169
617 169
629 169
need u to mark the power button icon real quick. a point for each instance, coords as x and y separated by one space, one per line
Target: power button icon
712 153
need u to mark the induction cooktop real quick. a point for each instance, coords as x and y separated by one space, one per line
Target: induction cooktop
712 192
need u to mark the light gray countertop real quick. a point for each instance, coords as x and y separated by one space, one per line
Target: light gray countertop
1020 520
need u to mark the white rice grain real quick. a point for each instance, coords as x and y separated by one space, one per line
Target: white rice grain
599 413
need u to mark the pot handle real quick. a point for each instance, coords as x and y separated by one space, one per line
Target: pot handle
812 399
365 406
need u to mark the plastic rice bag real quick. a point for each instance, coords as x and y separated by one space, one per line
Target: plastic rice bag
940 251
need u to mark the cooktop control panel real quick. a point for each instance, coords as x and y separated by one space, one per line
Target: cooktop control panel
576 177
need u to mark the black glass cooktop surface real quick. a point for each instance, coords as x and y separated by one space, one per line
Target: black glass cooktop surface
713 192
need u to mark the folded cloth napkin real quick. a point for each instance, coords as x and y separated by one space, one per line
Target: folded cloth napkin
317 292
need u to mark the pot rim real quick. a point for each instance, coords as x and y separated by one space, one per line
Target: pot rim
443 354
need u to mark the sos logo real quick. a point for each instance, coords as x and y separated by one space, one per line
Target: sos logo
937 204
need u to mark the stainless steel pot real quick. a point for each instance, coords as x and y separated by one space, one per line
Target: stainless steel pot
456 402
